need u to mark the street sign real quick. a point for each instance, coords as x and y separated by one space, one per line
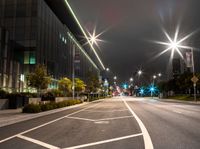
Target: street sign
194 79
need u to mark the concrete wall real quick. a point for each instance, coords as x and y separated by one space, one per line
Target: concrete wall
57 99
4 104
60 99
34 100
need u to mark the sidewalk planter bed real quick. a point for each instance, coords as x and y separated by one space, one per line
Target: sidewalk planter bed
34 108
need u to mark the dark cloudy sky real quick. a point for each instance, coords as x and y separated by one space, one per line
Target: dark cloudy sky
130 26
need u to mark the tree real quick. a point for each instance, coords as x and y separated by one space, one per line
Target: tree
79 85
39 78
65 85
93 83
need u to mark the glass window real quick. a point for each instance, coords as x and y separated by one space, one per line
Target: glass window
29 57
32 59
20 22
26 57
9 11
34 10
21 10
10 2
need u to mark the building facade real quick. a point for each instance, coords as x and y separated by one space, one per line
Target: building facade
32 34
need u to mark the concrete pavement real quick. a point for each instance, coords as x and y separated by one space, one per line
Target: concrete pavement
117 123
12 116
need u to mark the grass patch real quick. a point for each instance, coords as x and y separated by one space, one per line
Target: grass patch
183 97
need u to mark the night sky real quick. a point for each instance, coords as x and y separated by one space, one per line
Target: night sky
131 25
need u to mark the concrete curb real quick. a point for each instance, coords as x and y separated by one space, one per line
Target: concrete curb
24 116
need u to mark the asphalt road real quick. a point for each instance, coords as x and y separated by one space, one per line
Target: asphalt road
117 123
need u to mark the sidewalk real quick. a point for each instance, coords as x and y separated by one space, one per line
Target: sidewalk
179 101
11 116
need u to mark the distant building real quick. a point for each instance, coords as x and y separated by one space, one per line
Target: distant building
32 34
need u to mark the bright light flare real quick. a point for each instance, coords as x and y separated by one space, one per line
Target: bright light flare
139 72
84 33
174 44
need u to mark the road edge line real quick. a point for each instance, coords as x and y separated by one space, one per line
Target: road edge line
147 139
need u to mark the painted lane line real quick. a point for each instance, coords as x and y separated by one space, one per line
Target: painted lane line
177 111
147 139
107 110
104 141
50 122
114 118
80 118
37 142
96 120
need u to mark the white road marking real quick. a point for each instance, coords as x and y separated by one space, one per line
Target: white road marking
107 110
177 111
101 122
37 142
50 122
80 118
114 118
147 139
104 119
104 141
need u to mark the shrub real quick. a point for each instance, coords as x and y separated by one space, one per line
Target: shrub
3 94
46 107
31 108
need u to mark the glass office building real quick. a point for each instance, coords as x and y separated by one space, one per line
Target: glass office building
32 34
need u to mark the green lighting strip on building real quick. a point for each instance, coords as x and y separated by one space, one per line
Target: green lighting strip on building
84 33
82 50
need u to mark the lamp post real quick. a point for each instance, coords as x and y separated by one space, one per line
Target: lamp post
73 72
174 45
194 78
152 87
139 74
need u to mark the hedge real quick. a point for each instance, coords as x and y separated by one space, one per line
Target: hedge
31 108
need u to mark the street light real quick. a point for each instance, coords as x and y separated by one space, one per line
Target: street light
175 45
159 74
152 87
115 77
139 72
131 79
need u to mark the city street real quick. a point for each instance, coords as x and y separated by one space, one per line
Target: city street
117 123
